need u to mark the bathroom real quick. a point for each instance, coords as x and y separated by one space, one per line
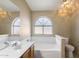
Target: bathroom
24 21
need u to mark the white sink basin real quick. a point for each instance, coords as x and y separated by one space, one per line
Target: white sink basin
3 55
3 46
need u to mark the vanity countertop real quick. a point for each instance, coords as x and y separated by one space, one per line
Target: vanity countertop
10 52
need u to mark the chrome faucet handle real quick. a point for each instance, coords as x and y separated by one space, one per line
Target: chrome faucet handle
28 40
15 44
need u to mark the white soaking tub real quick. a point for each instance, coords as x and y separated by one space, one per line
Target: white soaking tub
47 47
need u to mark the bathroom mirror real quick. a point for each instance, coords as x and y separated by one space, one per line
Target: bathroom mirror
8 13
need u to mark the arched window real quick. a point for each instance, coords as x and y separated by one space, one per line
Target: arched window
15 28
43 25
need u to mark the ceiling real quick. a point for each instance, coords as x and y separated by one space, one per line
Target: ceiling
8 5
35 5
44 5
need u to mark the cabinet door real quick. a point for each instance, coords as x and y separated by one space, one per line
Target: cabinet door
27 53
32 51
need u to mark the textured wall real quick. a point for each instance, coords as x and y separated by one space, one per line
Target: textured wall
61 25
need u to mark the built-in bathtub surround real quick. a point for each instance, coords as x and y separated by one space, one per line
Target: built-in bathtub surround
48 47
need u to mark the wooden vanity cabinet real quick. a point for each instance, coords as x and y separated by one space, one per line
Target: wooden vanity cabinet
29 53
32 51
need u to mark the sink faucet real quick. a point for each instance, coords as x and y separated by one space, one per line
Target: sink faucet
16 45
28 40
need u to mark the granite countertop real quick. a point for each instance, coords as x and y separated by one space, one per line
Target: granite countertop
10 52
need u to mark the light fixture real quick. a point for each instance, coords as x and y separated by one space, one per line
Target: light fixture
3 13
68 8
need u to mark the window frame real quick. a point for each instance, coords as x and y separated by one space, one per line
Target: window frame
13 25
43 27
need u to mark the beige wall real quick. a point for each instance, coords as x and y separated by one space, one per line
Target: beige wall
61 26
25 15
5 23
75 33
